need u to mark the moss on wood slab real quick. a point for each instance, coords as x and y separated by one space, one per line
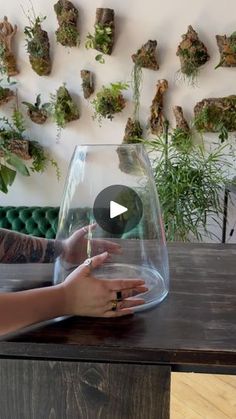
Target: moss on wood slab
87 83
67 15
158 118
214 113
7 59
146 56
64 109
6 95
181 122
38 48
133 132
227 48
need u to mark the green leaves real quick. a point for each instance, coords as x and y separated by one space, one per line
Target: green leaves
16 162
101 40
109 101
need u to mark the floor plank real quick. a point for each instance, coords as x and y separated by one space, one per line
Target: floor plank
203 396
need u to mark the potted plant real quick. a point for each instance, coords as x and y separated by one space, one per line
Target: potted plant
37 112
103 38
109 101
7 58
67 15
38 45
16 149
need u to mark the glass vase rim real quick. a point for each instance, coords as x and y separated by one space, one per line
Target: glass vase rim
111 145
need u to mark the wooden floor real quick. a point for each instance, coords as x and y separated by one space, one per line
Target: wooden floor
203 396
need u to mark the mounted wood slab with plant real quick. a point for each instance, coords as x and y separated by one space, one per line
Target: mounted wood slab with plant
38 46
133 129
15 149
227 48
104 33
67 15
62 108
109 101
182 135
158 118
216 115
87 83
146 56
6 94
37 112
192 54
8 64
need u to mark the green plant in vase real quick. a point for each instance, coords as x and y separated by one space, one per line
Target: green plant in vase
16 149
109 101
37 112
37 44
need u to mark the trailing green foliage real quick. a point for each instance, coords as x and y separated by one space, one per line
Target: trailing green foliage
62 108
189 181
109 101
102 40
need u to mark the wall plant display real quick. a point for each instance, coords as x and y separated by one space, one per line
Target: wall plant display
109 101
67 15
227 48
87 83
38 45
37 112
216 115
146 56
158 118
189 181
133 129
192 54
62 108
104 32
8 64
15 149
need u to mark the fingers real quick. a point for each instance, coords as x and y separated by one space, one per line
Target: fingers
106 245
125 284
125 304
95 262
129 293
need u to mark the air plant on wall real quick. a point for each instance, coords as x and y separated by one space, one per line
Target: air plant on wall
109 101
7 59
37 112
103 38
192 54
37 44
133 129
67 15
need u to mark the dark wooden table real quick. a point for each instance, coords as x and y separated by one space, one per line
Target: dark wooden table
117 369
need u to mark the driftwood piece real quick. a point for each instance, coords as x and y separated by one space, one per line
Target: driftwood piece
105 18
227 48
67 15
8 61
6 95
19 147
133 132
157 118
181 122
39 52
87 83
146 56
213 113
192 53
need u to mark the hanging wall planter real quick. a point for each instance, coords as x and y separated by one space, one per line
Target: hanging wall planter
67 15
7 59
216 115
109 101
87 83
192 54
6 95
146 56
133 132
182 135
62 107
227 48
37 112
158 118
103 38
133 129
38 46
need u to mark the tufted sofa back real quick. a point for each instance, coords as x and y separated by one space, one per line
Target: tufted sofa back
36 221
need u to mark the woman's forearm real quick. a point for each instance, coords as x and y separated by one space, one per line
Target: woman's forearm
20 248
21 309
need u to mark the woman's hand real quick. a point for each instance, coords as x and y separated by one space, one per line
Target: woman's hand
85 295
75 248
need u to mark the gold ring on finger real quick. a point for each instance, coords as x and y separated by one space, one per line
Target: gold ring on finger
114 305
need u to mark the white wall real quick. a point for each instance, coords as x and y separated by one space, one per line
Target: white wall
136 22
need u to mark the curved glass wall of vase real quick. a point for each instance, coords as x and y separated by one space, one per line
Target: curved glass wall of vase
110 203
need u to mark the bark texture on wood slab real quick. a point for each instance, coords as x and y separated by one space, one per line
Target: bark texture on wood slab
157 118
146 56
191 52
133 132
6 95
87 83
227 48
181 122
39 52
38 116
7 59
213 113
67 15
18 147
105 18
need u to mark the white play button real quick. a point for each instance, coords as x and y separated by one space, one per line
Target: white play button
116 209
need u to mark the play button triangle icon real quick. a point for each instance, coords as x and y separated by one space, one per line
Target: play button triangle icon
116 209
